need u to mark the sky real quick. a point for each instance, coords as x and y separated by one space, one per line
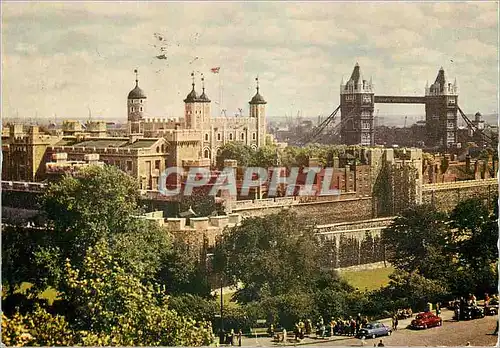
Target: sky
68 60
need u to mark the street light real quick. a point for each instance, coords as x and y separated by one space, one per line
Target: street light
221 266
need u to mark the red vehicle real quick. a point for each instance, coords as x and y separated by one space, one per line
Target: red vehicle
425 320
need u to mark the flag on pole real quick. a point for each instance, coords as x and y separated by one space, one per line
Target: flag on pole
215 70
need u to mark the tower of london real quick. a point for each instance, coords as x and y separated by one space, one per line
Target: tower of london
198 135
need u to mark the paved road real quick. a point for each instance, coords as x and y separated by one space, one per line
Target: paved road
477 332
452 333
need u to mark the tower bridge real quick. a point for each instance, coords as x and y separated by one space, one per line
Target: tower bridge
357 103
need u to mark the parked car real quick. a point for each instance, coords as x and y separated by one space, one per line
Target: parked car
491 308
425 320
470 312
374 330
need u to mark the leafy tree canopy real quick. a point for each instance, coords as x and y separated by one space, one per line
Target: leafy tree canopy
418 240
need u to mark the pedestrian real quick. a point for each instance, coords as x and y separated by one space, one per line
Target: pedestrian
496 329
239 337
231 337
381 344
271 330
438 309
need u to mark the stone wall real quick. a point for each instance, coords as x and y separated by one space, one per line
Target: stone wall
445 196
320 212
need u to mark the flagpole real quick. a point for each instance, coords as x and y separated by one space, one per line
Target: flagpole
220 95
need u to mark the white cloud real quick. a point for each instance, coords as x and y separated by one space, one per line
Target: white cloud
61 58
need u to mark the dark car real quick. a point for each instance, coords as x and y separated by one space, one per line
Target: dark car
470 312
374 330
491 308
425 320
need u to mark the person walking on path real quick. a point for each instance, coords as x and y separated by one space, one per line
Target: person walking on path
381 344
239 337
395 322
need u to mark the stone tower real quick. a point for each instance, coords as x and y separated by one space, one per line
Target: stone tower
441 107
196 107
356 108
258 111
136 107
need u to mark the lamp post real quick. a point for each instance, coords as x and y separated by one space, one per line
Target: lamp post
222 266
221 337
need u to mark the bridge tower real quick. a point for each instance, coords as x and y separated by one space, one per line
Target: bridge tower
356 108
441 107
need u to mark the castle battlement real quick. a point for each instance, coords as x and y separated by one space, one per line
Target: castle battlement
202 223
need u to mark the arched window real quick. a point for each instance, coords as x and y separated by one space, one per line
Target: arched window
141 108
163 148
218 136
242 136
206 153
230 136
206 137
254 136
157 149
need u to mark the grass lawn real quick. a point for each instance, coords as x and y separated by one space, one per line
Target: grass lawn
370 279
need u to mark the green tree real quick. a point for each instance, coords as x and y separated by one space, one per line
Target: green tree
243 154
408 289
98 203
106 305
115 307
271 254
475 229
182 272
419 241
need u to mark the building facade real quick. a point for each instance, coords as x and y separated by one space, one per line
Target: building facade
198 135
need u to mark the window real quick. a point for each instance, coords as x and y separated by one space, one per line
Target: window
207 154
163 148
230 136
118 163
129 166
254 136
131 109
141 101
242 136
206 137
218 136
141 108
157 149
157 164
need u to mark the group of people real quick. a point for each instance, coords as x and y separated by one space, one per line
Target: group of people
229 337
404 313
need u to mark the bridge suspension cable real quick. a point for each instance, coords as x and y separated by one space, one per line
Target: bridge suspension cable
319 128
474 127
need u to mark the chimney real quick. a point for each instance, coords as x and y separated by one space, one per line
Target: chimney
467 163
